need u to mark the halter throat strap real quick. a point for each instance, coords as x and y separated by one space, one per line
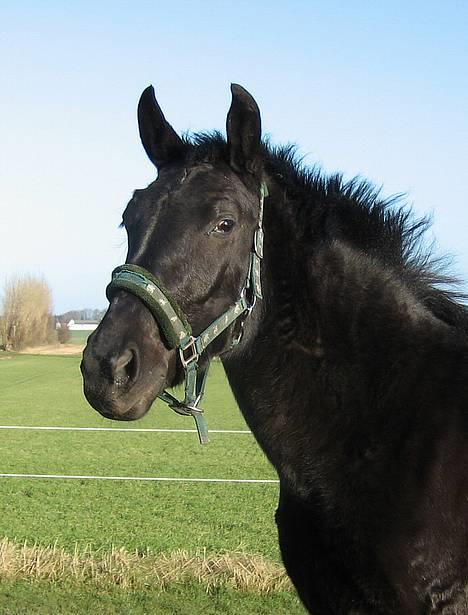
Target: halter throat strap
176 329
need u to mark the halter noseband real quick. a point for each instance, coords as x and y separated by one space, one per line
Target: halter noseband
176 328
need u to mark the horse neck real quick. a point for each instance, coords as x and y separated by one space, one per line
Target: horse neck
336 332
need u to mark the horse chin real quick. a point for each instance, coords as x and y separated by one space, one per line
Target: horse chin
117 407
134 413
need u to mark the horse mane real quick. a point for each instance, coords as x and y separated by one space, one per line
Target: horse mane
320 205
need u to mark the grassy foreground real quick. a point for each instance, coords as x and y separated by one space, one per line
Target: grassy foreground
43 580
139 570
41 597
142 523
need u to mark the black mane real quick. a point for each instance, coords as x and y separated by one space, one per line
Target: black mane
321 205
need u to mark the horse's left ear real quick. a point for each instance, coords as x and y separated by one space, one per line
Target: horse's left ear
244 130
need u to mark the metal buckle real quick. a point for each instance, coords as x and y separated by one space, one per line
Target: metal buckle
243 317
251 301
192 352
180 409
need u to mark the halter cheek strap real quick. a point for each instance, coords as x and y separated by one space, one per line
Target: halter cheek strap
176 328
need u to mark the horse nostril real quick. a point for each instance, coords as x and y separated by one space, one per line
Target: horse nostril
124 368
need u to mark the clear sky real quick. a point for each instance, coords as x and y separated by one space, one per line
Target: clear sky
364 87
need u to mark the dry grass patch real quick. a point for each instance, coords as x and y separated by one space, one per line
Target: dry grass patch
55 349
236 570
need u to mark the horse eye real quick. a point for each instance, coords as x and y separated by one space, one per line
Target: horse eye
224 226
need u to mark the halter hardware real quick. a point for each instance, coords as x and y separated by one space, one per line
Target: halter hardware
176 328
192 354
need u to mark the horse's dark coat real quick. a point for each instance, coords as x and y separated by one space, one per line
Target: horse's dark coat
351 373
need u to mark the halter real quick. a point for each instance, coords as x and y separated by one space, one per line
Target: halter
176 328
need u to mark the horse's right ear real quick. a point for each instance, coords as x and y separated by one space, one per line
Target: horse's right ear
244 131
160 140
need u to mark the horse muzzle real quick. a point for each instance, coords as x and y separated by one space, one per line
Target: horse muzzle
125 363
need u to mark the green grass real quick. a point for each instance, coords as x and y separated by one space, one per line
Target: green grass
161 517
137 516
47 390
79 337
39 598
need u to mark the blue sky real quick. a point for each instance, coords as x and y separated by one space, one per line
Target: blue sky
372 88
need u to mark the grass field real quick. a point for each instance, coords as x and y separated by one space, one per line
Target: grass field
79 337
147 518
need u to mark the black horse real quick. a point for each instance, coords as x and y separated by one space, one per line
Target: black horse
351 372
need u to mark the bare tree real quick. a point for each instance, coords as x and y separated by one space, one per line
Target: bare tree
26 312
63 332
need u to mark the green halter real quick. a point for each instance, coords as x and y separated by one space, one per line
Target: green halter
176 328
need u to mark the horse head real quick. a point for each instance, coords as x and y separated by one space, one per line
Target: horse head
190 232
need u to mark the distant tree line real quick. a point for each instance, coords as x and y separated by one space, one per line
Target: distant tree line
85 314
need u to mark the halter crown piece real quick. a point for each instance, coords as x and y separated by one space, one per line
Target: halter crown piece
176 328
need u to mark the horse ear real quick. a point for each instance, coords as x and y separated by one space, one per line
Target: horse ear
160 140
244 130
